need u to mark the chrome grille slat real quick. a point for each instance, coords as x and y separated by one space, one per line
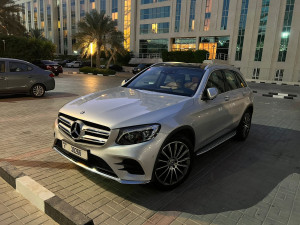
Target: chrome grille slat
95 130
90 134
65 128
93 139
66 120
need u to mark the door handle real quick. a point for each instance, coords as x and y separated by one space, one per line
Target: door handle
226 98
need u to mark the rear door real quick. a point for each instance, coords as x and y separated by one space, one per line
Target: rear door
19 77
2 76
235 96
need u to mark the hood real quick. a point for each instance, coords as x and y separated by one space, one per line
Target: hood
120 107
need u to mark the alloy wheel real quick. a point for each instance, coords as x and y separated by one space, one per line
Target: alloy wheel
38 90
173 163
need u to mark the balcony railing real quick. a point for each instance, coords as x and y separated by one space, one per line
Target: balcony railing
220 56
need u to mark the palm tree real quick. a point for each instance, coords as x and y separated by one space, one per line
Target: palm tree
115 45
37 34
96 29
9 18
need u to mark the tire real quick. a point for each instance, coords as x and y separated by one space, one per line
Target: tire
244 126
37 90
173 163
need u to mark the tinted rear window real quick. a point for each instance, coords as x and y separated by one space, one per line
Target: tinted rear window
19 67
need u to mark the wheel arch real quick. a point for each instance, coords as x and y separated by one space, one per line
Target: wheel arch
186 131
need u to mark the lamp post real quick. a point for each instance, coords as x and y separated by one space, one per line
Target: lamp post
3 45
91 46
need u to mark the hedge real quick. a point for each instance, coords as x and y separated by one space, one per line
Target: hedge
96 71
28 49
197 56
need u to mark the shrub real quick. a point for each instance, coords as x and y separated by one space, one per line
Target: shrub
96 71
197 56
29 49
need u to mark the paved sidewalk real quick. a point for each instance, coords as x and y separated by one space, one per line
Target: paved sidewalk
15 209
251 182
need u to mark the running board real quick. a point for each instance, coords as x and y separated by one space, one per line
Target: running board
215 143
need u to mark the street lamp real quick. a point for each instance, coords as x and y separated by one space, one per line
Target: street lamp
3 45
91 46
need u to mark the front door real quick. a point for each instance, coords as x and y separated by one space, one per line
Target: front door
213 117
19 77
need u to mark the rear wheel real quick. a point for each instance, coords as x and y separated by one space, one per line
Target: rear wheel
38 90
173 163
244 126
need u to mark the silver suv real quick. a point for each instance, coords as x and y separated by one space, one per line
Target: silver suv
152 127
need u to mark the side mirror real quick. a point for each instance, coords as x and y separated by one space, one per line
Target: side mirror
124 82
211 93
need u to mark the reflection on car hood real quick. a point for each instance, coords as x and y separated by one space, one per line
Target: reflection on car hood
120 107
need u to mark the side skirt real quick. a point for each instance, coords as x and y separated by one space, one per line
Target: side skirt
216 142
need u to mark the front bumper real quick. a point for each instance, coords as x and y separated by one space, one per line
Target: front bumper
107 160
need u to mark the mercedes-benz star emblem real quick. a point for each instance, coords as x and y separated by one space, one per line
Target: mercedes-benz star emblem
76 130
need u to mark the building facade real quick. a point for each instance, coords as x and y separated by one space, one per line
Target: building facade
261 37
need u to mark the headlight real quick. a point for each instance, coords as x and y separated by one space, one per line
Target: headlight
138 134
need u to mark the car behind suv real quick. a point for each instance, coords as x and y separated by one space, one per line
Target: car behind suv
49 65
18 76
151 127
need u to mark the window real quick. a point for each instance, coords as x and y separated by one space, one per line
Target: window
279 75
231 80
19 67
192 15
262 30
156 28
151 1
241 33
255 74
153 13
2 67
177 17
225 14
285 34
240 79
207 15
216 80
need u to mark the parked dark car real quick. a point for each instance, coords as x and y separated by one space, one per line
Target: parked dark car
18 76
49 65
116 68
139 68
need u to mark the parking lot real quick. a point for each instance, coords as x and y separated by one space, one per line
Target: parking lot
251 182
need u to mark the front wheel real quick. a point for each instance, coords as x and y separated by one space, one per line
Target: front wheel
244 126
37 91
173 163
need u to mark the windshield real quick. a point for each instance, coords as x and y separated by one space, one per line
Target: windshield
169 79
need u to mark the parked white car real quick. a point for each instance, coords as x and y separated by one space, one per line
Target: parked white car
73 64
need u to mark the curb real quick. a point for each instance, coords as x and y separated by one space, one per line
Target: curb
277 96
277 83
53 206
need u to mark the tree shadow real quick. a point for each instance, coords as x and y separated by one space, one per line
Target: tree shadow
236 175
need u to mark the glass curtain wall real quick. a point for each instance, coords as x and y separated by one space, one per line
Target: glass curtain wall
177 16
207 15
225 14
192 15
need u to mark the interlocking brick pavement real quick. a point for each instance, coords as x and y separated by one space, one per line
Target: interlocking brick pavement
251 182
14 209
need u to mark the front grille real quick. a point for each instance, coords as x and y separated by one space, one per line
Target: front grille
92 162
91 133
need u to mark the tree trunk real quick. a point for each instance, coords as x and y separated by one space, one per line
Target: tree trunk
110 58
98 54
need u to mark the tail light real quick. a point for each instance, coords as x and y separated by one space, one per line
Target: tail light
51 75
48 67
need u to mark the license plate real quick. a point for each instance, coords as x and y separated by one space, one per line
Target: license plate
74 150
